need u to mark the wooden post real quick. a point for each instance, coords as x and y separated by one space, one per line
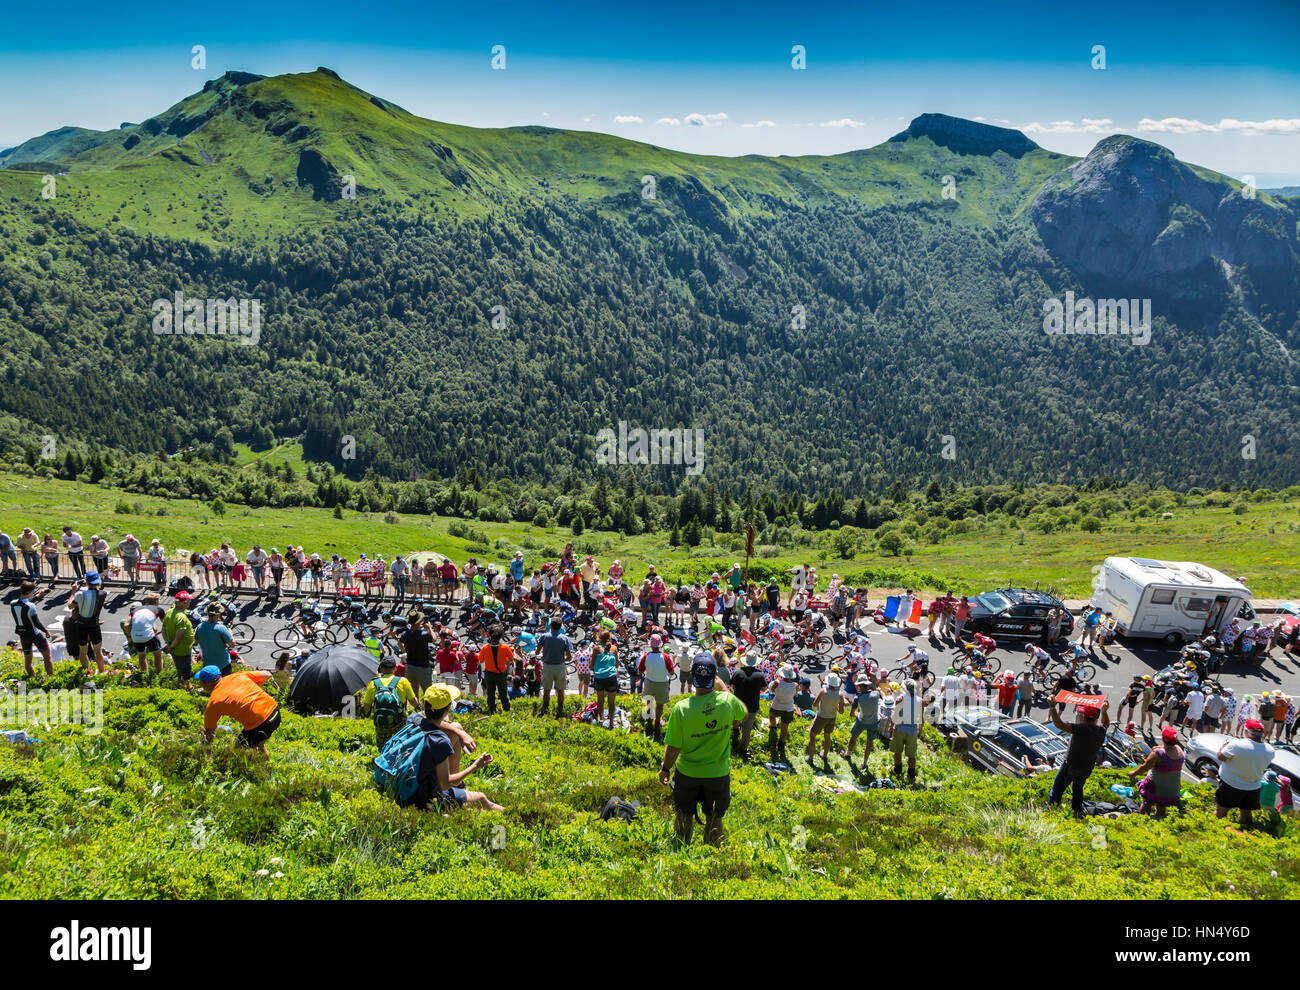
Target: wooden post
749 548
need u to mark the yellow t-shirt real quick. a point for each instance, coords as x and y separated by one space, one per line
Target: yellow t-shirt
403 690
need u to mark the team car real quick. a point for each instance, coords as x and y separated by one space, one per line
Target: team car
1021 747
1016 612
1013 747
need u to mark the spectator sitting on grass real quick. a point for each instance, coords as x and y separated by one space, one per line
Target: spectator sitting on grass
439 775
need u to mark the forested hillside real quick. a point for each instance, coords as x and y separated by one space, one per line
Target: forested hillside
922 317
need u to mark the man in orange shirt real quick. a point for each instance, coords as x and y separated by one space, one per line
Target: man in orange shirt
495 659
239 696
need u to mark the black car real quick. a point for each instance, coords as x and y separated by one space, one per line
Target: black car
1016 612
1013 747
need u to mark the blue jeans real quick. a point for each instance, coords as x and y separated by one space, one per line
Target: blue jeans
32 561
1075 779
399 586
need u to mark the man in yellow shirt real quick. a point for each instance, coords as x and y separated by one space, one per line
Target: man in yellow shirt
389 695
588 570
239 696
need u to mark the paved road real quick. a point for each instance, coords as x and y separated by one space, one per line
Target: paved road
1114 672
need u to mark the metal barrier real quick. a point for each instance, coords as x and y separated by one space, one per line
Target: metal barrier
144 574
64 568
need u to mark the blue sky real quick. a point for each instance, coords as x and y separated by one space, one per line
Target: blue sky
1219 86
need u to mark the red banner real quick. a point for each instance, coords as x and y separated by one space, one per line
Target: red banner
149 566
349 591
1080 700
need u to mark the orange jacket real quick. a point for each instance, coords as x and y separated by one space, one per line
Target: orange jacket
496 662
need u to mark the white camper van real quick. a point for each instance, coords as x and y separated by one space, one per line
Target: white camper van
1166 599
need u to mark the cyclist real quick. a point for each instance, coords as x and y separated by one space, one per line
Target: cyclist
393 627
627 622
981 644
1213 655
306 617
1038 657
916 661
712 635
813 625
604 621
525 642
481 617
774 630
350 613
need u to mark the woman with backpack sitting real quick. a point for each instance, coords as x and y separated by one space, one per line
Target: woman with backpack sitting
388 696
437 757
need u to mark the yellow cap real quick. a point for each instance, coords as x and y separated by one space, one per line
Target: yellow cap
440 696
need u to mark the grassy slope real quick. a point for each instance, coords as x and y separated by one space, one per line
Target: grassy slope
987 556
140 811
167 188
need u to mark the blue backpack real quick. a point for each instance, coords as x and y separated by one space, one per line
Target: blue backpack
396 769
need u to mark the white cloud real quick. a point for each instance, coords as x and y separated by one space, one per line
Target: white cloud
1089 125
1181 125
1174 125
842 122
704 119
668 120
627 119
545 113
1275 126
761 123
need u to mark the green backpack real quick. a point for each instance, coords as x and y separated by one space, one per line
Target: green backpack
389 711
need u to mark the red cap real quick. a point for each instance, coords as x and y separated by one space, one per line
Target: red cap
1254 725
1090 711
1169 732
183 596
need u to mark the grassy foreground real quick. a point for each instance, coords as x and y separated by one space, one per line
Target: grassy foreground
141 811
1257 536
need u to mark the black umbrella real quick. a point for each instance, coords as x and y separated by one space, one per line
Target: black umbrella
329 675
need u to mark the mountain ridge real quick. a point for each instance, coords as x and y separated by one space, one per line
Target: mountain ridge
899 288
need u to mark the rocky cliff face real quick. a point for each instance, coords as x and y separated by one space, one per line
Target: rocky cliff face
1132 218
